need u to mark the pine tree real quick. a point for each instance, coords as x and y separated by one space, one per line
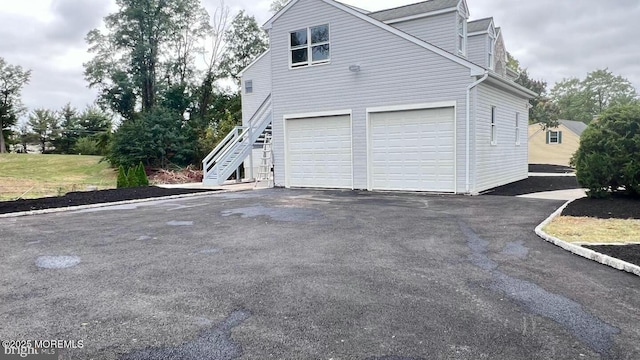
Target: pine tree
143 180
132 177
122 178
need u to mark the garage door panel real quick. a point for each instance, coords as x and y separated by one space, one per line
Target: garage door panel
413 150
319 152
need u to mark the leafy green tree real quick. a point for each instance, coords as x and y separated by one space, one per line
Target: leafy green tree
25 135
45 125
157 138
609 151
245 41
542 109
12 80
582 100
128 59
277 5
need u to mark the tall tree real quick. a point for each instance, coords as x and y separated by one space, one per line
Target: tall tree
582 100
128 56
12 79
276 5
44 124
68 130
245 41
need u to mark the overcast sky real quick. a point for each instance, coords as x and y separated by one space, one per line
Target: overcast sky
554 39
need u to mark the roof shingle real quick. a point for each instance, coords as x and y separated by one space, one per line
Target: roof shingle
414 9
478 25
577 127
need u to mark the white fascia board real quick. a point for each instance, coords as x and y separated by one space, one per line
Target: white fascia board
514 87
420 16
241 73
475 69
275 17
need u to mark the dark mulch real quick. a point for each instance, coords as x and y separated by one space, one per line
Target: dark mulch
536 184
544 168
628 253
91 197
617 207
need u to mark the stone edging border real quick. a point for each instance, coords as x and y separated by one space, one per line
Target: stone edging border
584 252
116 203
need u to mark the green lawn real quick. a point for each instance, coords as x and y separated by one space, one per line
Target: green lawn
51 175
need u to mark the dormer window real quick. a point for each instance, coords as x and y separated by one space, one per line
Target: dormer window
309 46
462 35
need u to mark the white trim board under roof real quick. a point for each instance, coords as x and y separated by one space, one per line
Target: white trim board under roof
474 69
419 10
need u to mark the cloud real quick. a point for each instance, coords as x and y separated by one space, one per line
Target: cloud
73 19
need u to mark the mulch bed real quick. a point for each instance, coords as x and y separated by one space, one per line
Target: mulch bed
617 207
628 253
544 168
91 197
536 184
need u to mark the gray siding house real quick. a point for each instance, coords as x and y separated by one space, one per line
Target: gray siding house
400 99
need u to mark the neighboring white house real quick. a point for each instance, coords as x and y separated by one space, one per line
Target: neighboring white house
412 98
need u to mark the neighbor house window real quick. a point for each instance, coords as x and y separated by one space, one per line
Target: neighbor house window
492 49
494 135
517 128
462 35
310 46
248 86
554 137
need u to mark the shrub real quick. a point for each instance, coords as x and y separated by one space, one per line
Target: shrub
132 177
122 178
141 175
607 160
86 146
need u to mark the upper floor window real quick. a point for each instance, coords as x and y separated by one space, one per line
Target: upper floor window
494 132
309 46
492 49
554 137
462 35
248 86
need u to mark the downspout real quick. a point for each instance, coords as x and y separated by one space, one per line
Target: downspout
468 131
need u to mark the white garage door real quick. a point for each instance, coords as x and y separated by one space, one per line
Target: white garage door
319 152
412 150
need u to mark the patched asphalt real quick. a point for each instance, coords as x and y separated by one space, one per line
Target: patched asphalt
302 274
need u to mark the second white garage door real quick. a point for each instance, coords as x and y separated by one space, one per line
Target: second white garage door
319 152
412 150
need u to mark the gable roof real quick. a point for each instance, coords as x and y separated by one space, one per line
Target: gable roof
479 25
475 70
414 9
578 127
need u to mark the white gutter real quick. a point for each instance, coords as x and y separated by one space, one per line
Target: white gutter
468 140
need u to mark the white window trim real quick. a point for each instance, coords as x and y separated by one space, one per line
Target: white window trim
246 87
517 129
462 51
493 126
309 46
557 132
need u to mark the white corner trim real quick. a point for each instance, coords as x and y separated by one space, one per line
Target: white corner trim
420 16
420 106
584 252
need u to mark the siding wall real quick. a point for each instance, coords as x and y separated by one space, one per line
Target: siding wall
393 72
556 154
260 74
477 51
500 56
505 162
439 30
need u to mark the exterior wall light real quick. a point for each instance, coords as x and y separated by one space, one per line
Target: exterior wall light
354 68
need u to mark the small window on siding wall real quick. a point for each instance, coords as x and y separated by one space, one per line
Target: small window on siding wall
309 46
517 129
248 86
462 36
494 134
554 137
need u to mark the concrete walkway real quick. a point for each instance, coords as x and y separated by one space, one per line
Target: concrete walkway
566 195
230 185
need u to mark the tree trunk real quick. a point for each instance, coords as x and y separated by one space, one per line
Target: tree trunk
2 145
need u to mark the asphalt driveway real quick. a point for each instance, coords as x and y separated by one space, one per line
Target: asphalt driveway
297 274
